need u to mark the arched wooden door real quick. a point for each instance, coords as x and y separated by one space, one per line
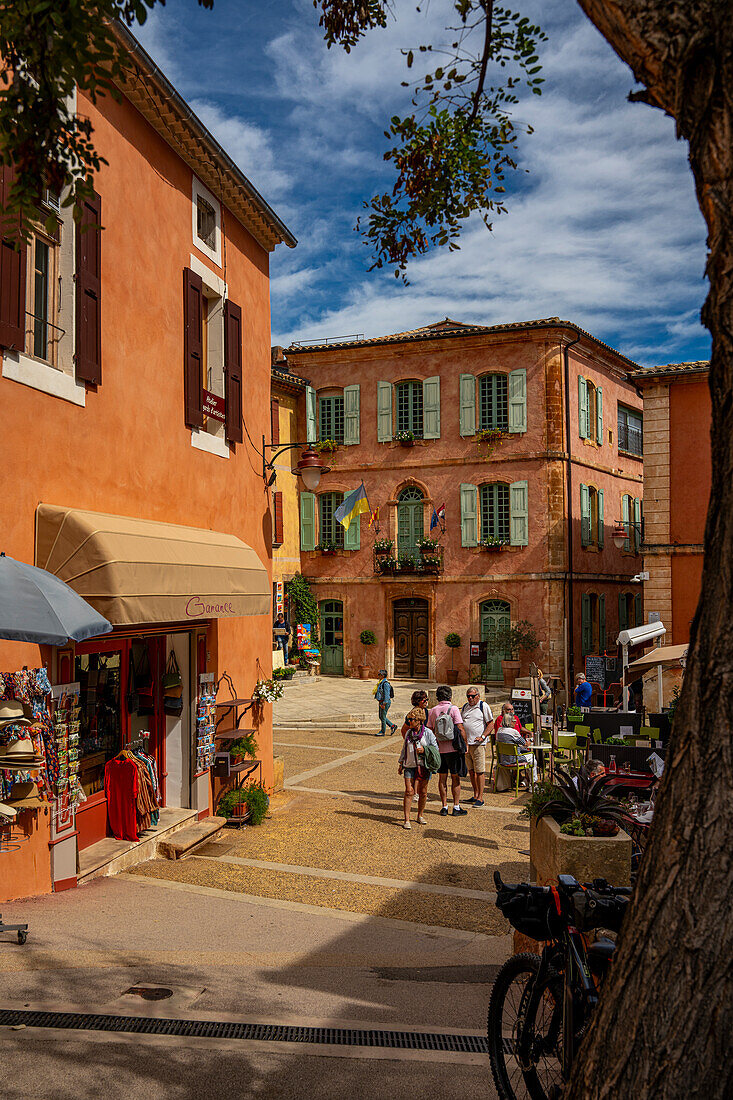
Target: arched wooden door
411 619
332 638
495 617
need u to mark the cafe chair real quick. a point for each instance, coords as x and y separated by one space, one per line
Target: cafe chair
651 732
582 735
492 762
597 737
518 766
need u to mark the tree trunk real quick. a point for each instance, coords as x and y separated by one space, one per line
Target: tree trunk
663 1027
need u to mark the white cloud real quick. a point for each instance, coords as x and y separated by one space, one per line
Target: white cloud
248 145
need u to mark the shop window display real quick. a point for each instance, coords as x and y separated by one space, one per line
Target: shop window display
100 733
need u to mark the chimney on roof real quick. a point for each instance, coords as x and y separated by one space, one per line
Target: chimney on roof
277 358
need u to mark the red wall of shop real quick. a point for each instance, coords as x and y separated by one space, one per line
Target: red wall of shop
128 451
690 463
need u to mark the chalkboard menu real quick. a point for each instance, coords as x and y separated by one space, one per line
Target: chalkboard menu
595 669
522 703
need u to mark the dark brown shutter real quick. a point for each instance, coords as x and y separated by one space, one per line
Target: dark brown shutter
12 271
275 421
193 384
89 291
233 369
277 517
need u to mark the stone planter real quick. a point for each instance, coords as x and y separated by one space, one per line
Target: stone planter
363 672
510 671
451 676
552 853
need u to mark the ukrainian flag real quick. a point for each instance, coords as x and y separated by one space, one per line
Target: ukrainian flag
354 503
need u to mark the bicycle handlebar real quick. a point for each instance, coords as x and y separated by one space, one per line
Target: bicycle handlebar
591 905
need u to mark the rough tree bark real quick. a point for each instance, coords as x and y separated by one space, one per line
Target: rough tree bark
663 1028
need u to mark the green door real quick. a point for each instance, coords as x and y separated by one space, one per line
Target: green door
332 638
495 616
409 523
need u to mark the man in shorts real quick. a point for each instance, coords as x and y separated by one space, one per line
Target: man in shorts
477 721
450 760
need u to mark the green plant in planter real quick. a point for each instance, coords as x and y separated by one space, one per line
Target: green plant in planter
285 673
326 446
244 745
519 637
588 797
303 607
453 641
574 712
367 638
428 546
383 546
543 792
404 437
493 543
229 800
327 547
676 692
255 796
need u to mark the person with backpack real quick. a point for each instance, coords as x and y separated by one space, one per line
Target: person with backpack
477 722
419 758
447 724
384 694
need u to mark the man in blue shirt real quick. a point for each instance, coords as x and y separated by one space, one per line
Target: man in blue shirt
583 691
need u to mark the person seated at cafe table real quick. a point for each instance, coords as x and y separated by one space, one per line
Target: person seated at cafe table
509 731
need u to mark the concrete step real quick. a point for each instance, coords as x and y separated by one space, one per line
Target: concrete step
110 856
185 840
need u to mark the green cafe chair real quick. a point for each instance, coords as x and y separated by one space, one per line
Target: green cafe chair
566 743
582 734
518 765
597 738
650 731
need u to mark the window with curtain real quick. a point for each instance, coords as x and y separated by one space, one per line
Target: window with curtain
493 403
408 402
331 418
329 528
495 513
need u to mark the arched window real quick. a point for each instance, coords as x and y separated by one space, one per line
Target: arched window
408 401
495 515
493 406
330 531
409 521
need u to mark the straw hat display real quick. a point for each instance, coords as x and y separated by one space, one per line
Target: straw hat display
19 755
13 712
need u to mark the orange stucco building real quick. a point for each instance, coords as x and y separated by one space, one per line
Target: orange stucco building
132 358
677 479
527 516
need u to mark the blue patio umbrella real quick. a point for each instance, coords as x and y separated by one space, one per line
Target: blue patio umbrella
37 607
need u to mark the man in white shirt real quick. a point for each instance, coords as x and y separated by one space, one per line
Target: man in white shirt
477 722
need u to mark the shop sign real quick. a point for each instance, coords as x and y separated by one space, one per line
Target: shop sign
214 406
478 652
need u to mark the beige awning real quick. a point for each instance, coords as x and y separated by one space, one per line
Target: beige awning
666 655
138 571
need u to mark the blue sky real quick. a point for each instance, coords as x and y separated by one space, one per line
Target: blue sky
603 228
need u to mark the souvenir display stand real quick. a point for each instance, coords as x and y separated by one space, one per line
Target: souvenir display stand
67 788
225 766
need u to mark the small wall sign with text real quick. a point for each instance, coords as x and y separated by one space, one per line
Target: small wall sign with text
214 406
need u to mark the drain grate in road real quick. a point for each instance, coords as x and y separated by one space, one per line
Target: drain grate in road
269 1033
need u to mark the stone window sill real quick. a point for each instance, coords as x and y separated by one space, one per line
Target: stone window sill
39 375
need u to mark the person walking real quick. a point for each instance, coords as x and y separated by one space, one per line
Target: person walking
477 722
419 752
384 694
282 633
444 719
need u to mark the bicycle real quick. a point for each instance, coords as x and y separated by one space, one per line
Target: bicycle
540 1005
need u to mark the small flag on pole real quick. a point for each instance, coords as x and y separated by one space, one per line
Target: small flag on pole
354 503
374 517
438 519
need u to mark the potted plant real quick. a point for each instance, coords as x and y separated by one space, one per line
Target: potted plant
327 548
406 439
382 547
231 804
257 802
326 446
367 638
388 564
578 830
429 548
431 565
515 639
286 673
489 438
266 691
244 746
453 641
493 543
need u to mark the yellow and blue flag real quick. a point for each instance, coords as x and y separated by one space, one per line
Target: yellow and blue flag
354 503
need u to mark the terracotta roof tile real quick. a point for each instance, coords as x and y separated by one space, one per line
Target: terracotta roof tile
695 366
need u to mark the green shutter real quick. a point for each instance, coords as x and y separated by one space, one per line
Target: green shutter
601 529
518 514
601 624
586 624
637 526
638 612
431 408
584 515
352 535
623 619
469 517
467 402
351 415
625 515
583 416
311 429
307 521
599 415
384 412
517 400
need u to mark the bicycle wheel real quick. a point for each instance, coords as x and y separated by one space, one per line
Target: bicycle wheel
541 1038
507 1010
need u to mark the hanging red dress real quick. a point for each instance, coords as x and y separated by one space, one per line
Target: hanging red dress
120 787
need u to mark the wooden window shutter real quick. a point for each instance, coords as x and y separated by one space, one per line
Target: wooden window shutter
352 416
583 426
601 624
584 515
517 400
193 294
89 292
599 416
469 515
307 521
467 404
384 412
638 611
233 371
637 525
274 422
586 624
518 513
431 408
277 519
13 257
311 420
626 516
352 535
623 616
601 524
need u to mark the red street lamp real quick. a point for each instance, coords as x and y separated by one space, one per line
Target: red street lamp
310 465
619 535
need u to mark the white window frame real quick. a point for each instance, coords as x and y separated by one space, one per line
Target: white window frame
198 190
